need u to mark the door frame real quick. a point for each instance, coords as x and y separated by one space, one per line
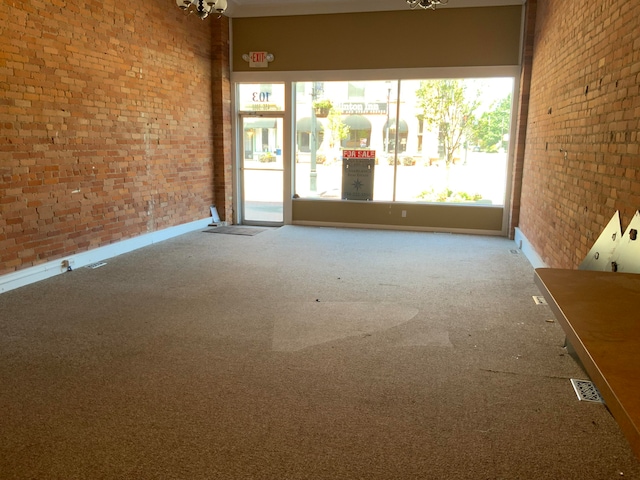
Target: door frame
239 169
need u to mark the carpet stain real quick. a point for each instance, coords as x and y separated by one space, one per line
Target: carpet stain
427 338
314 323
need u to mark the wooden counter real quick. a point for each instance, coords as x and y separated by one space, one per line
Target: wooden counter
600 314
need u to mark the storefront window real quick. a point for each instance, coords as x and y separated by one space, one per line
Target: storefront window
444 140
334 117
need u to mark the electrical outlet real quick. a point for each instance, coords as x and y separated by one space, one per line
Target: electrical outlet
67 265
404 213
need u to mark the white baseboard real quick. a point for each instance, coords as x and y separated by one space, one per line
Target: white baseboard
30 275
407 228
528 250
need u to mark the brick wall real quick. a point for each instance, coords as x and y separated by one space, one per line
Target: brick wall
106 124
582 160
223 168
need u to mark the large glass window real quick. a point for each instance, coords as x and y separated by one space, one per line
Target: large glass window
440 140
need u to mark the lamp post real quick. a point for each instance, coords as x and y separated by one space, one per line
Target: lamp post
313 175
248 149
386 133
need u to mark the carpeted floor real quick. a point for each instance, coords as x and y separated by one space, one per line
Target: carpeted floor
298 353
235 230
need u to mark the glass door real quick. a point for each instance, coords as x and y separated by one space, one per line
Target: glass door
262 169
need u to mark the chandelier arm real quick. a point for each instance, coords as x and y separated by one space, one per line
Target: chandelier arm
426 4
202 8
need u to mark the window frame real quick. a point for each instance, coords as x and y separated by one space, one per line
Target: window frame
288 78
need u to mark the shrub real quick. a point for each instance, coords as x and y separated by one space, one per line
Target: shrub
448 195
267 157
323 104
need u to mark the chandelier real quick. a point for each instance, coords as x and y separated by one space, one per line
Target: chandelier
203 8
430 4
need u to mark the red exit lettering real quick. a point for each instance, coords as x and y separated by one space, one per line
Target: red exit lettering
258 57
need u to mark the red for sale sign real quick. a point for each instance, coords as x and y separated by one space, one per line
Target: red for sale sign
357 174
358 154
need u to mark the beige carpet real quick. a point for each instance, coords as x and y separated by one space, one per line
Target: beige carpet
235 230
298 353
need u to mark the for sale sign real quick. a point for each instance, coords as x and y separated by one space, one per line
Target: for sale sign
357 174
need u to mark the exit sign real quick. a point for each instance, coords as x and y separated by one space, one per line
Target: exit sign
258 60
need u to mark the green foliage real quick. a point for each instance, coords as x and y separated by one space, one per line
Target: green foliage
267 157
447 109
338 130
323 104
489 130
391 158
448 195
406 160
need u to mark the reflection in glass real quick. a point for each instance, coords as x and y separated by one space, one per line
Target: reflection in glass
261 97
442 140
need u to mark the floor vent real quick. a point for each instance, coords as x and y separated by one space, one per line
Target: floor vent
96 265
514 251
586 391
539 299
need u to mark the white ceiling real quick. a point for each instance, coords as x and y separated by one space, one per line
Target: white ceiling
263 8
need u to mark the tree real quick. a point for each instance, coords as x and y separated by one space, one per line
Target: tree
338 130
490 129
447 109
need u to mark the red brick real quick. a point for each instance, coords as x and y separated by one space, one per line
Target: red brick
577 44
79 72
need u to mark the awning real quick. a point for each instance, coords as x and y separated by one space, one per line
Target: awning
304 125
402 125
357 122
250 123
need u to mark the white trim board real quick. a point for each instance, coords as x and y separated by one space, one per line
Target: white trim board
528 250
406 228
37 273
